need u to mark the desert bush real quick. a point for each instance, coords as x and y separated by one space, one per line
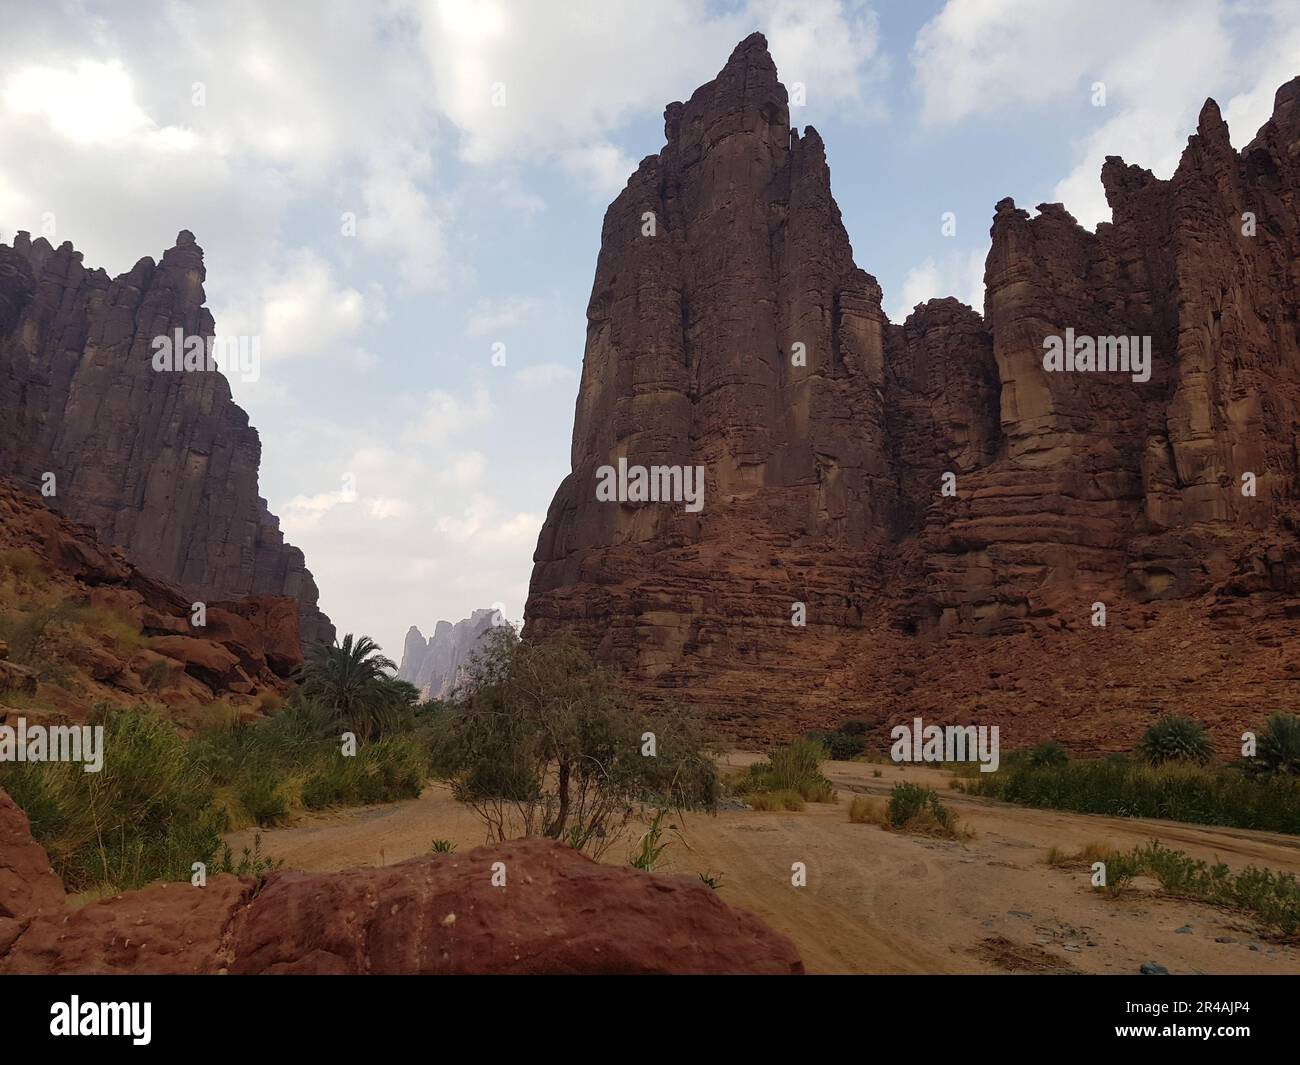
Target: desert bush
540 742
916 809
1175 739
261 796
1272 897
161 802
1047 754
795 767
864 810
775 800
855 726
840 746
1278 748
23 565
383 771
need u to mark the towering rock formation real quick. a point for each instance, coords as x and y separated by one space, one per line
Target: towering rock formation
730 329
161 464
434 665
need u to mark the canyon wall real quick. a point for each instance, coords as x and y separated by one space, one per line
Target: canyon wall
161 464
907 489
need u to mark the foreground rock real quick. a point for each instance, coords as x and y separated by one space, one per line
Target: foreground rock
739 337
559 912
162 464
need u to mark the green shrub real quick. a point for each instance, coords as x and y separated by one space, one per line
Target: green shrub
1174 791
385 771
907 801
1278 749
1272 897
146 815
794 768
1175 739
841 747
1048 754
913 808
855 726
260 794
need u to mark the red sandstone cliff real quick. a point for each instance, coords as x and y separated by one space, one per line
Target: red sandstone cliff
823 481
163 465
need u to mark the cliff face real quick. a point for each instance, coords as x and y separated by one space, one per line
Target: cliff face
825 478
434 665
161 464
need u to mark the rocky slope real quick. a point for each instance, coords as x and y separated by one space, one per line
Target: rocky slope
81 627
162 464
434 665
557 912
736 333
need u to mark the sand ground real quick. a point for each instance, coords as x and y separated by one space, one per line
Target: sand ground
885 902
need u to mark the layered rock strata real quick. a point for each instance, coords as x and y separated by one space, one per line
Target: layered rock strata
906 488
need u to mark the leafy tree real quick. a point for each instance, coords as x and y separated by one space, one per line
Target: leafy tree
542 743
353 681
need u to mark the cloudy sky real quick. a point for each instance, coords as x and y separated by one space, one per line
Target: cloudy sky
264 126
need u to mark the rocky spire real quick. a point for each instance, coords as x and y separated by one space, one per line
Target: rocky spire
162 464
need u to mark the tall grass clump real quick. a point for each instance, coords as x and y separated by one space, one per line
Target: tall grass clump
1173 791
146 815
794 768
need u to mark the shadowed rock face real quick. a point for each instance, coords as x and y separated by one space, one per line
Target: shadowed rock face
163 465
823 481
434 665
558 912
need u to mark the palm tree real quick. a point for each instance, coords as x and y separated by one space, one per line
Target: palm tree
354 681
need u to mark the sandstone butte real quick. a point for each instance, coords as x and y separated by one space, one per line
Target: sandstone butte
558 912
435 665
162 464
823 481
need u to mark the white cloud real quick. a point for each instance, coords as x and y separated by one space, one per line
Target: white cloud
300 311
491 316
1276 62
544 374
991 57
411 534
958 273
543 80
401 217
88 103
447 417
602 168
832 48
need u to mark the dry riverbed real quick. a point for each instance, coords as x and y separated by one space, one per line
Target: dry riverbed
884 902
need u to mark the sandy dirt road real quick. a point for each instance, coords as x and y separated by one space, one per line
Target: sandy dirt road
883 902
